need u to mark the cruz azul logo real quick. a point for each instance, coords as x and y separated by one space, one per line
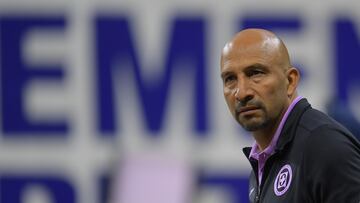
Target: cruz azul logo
283 180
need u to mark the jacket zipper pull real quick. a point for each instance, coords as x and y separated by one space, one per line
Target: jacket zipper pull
257 198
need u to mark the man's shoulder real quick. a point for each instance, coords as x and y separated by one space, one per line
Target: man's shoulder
313 119
325 135
327 140
330 138
330 159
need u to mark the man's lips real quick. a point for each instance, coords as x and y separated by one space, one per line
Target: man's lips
246 109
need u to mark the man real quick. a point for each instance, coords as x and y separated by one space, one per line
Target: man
300 154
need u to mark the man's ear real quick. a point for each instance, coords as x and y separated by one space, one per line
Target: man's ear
293 77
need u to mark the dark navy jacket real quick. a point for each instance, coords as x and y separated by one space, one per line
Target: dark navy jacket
315 160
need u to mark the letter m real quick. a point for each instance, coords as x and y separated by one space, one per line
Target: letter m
116 53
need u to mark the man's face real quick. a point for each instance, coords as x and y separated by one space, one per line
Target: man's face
255 85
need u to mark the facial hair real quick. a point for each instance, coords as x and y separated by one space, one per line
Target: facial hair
247 124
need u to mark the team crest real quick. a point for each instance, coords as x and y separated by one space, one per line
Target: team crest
283 180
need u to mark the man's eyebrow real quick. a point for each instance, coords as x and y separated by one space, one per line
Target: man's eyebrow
225 73
256 65
250 67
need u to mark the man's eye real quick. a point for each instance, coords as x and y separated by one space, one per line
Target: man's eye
229 78
256 72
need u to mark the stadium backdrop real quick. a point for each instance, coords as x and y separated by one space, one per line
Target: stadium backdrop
95 94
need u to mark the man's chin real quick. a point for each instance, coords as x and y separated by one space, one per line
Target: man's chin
253 126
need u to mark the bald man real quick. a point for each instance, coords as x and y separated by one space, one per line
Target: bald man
300 154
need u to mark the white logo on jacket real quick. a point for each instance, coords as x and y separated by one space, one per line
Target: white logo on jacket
283 180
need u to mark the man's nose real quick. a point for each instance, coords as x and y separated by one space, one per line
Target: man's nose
243 91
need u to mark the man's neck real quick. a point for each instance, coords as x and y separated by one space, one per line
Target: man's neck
264 136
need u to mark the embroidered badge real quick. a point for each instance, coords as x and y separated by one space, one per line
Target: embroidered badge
283 180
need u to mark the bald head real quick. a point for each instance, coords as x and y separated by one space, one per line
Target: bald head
257 42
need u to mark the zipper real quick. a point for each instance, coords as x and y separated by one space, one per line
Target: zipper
258 193
265 174
257 197
254 165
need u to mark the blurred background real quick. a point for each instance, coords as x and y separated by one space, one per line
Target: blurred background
106 101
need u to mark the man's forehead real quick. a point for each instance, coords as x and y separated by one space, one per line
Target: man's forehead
242 60
248 54
236 63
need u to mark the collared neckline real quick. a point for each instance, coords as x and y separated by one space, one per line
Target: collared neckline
255 153
290 126
286 134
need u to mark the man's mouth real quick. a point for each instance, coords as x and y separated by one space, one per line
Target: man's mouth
246 109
